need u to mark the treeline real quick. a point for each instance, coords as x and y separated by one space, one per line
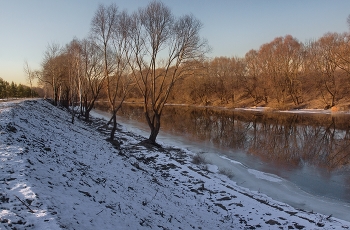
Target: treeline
283 73
12 90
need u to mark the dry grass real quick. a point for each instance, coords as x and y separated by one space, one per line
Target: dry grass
198 159
227 172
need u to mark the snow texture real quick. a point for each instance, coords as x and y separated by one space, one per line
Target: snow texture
59 175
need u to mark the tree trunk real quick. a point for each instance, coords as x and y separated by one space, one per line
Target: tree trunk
114 128
88 108
87 112
155 127
87 115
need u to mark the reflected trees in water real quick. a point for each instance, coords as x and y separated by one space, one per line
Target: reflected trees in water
321 140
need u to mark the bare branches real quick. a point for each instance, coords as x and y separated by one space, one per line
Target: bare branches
151 49
161 46
30 76
110 33
103 24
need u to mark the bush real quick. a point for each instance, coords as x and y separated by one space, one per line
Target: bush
227 172
198 159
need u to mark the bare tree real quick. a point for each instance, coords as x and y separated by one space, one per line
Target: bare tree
92 80
162 47
110 30
343 52
53 70
102 28
220 70
200 85
30 75
97 56
275 88
324 63
119 83
289 54
252 82
75 75
280 64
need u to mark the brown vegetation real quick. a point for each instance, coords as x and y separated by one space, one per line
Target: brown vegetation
283 74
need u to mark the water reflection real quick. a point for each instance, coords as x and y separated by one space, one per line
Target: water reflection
289 140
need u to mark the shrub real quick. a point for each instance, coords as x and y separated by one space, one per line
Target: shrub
198 159
227 172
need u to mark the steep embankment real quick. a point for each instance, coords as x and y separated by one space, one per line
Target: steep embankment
58 175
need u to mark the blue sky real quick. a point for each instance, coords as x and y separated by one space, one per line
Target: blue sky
232 27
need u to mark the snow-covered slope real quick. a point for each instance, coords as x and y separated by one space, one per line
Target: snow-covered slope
59 175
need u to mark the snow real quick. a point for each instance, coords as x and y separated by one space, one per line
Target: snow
264 176
293 111
59 175
230 160
301 187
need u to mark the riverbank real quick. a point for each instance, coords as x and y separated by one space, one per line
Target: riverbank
312 106
341 109
56 175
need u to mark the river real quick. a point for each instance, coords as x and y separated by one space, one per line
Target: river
299 159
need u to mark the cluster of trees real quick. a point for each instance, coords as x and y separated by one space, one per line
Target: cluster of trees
12 90
282 72
142 54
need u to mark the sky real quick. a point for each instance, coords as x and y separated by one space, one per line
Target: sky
232 27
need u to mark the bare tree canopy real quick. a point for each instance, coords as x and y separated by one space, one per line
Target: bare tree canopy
30 76
163 48
110 32
53 69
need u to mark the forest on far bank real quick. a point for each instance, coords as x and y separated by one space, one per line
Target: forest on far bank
282 74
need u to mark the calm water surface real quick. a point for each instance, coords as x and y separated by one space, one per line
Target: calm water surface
310 150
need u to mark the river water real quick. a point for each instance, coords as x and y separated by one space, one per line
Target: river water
299 159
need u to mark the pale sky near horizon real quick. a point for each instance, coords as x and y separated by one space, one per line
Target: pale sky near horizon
232 27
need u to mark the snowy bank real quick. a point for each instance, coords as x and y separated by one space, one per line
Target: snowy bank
58 175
